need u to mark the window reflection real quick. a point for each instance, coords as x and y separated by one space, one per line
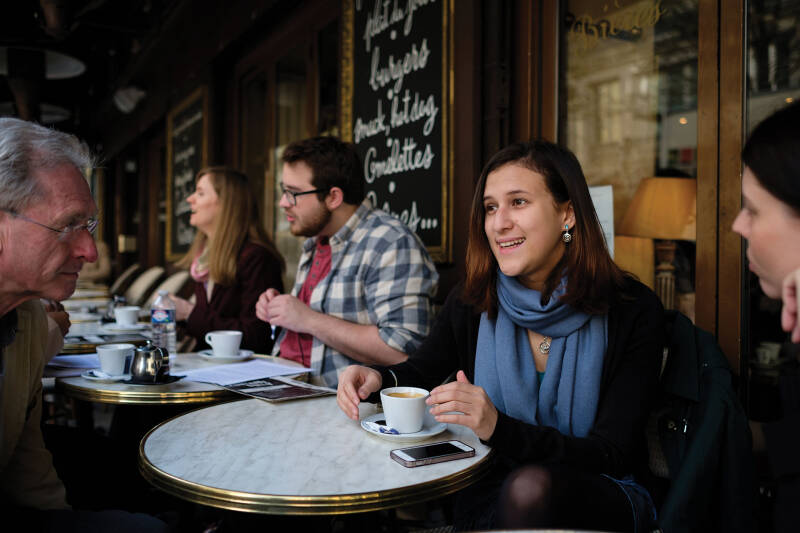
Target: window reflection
628 94
290 125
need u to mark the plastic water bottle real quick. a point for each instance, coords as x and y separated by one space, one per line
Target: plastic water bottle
162 321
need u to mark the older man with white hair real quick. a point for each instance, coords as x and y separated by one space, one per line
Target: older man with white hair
47 216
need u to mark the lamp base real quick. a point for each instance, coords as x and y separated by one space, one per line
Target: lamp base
665 273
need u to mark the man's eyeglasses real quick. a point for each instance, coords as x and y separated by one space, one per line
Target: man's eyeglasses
65 233
291 196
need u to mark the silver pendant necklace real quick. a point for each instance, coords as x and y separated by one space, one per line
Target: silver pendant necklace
544 346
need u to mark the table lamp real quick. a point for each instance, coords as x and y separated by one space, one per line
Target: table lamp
663 209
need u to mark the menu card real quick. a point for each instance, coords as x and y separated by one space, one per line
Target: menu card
279 389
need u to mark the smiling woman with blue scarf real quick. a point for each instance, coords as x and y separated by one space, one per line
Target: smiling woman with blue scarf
557 353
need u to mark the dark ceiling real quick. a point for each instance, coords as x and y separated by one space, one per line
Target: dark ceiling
106 35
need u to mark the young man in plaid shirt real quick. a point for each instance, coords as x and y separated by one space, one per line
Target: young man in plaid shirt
364 281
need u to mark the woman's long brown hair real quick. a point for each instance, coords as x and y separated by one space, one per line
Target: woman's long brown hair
592 276
237 222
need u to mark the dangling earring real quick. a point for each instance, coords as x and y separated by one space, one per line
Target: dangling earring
566 236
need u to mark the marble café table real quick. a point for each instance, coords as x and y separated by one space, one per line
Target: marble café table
302 457
179 392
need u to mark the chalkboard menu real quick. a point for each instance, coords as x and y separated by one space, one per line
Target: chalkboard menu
187 138
397 108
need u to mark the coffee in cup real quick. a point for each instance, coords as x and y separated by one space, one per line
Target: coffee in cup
224 343
405 394
115 359
127 315
404 408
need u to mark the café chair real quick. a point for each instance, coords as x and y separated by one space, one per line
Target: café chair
174 284
141 288
125 279
698 437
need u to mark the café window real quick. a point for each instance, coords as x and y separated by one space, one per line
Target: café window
287 91
628 110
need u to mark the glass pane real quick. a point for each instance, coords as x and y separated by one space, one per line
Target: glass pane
628 94
253 133
772 65
291 97
328 47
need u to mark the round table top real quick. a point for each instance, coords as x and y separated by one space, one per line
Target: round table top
179 392
297 457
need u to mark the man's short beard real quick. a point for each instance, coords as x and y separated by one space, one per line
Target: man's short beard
313 226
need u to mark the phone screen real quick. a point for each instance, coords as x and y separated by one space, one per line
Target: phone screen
434 450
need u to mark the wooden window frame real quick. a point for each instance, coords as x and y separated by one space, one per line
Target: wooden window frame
720 104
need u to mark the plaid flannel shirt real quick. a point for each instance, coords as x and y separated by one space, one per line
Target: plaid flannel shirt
380 274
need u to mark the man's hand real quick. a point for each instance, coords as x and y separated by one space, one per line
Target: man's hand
51 306
62 319
262 305
183 307
475 409
286 311
361 342
356 383
789 313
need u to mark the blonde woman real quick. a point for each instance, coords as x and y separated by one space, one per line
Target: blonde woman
232 260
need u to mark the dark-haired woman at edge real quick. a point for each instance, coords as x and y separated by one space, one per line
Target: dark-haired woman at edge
770 222
562 347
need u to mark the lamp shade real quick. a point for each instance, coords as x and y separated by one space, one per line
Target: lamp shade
662 208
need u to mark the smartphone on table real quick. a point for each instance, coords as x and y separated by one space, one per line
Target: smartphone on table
436 452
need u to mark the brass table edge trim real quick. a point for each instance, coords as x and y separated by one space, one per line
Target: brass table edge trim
307 505
140 398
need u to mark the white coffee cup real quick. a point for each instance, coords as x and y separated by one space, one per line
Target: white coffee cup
127 315
115 359
225 343
404 408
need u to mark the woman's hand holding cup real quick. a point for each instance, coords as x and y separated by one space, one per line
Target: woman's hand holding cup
461 402
356 383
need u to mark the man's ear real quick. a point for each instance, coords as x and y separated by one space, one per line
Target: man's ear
335 198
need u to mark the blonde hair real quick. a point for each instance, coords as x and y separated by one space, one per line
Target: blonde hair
237 222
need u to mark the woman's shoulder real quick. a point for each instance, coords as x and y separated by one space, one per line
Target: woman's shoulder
456 305
254 249
634 296
253 252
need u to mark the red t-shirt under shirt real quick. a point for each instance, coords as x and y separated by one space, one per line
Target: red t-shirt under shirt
297 346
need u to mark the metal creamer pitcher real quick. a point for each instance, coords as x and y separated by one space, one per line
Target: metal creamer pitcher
150 364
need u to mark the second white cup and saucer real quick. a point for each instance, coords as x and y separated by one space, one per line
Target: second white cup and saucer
127 319
98 375
225 347
115 363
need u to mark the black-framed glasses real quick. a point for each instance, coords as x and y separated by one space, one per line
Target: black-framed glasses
291 196
65 233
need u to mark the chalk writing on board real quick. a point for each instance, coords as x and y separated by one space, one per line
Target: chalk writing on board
397 120
186 129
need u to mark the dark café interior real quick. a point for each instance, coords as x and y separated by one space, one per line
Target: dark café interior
261 263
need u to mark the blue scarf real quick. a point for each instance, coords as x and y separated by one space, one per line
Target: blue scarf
504 366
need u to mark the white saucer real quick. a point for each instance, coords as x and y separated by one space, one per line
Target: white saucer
113 327
89 293
79 316
98 375
208 355
430 428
